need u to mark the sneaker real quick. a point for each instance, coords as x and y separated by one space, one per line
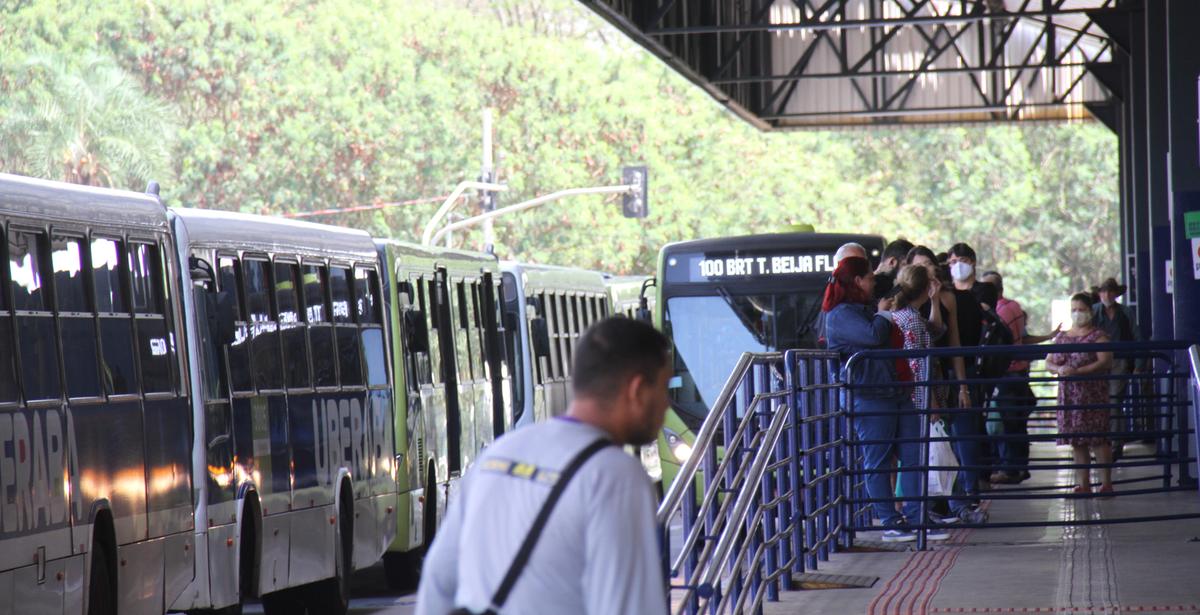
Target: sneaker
936 533
937 519
899 534
1004 478
968 515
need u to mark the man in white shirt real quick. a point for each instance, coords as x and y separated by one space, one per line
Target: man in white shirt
599 552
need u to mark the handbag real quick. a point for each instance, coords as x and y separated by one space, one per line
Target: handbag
941 455
521 559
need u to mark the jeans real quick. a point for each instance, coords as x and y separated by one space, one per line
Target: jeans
963 422
1015 401
897 419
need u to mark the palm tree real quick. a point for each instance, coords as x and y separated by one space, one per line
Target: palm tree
88 122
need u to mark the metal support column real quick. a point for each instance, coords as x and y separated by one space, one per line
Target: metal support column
1155 66
1140 206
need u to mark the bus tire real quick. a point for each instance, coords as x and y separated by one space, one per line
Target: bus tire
332 596
284 602
102 595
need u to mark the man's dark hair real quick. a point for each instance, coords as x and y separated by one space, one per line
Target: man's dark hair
897 249
614 349
999 283
920 251
963 250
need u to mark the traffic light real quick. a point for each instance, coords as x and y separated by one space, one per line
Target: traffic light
634 204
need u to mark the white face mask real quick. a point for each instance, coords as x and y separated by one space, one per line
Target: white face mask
960 271
1081 319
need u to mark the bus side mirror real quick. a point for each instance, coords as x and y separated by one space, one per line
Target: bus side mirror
222 317
541 337
415 332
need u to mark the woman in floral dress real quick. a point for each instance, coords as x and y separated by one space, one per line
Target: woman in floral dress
1078 396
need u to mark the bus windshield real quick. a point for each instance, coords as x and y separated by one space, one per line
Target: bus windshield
711 332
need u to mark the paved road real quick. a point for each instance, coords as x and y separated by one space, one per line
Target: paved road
371 596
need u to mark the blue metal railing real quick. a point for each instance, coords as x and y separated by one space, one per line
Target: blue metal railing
774 485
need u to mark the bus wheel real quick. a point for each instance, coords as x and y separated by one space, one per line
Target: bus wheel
286 602
332 596
101 598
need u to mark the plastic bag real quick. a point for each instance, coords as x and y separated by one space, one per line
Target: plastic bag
941 454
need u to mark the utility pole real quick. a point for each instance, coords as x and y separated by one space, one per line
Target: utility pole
487 198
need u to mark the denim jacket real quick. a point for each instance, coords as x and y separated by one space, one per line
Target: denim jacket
850 328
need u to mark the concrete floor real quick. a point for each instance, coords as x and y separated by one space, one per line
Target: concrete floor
1103 569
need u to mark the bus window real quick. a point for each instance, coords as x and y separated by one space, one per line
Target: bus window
463 349
76 320
265 357
348 351
239 351
8 368
320 332
562 327
433 314
154 345
37 342
374 353
116 327
365 296
291 325
316 307
477 334
339 291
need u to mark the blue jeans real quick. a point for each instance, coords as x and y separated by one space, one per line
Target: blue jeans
965 423
897 419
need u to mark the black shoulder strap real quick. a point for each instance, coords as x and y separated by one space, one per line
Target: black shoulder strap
539 523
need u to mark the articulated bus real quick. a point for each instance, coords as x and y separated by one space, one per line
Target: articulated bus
293 453
719 298
452 396
195 407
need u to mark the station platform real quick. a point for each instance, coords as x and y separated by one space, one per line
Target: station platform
1101 569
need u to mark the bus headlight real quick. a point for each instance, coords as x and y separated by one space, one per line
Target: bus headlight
680 449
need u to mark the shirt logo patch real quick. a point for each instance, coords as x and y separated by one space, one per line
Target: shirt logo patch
517 469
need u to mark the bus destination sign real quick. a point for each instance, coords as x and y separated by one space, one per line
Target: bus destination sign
711 267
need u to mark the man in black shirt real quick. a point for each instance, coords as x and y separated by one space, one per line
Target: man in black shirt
970 327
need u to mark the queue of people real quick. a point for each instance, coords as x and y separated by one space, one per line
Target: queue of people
917 299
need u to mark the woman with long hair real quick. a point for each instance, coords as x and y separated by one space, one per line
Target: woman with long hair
883 411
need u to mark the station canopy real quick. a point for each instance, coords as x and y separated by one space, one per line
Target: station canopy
809 63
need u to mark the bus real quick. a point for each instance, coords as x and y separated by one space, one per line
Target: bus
718 298
631 294
547 308
157 451
293 447
453 393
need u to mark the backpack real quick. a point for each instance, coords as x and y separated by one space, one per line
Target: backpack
995 333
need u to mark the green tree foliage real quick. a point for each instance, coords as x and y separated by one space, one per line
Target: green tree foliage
88 122
295 106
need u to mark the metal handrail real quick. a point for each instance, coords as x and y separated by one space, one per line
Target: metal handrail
746 496
687 472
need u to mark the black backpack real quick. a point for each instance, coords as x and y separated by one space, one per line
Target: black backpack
994 333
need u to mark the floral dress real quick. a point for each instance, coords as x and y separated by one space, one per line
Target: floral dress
1081 393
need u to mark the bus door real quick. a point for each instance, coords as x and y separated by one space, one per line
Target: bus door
218 312
497 366
413 338
441 309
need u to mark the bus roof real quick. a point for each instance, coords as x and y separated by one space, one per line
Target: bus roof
770 241
556 278
414 256
42 199
235 230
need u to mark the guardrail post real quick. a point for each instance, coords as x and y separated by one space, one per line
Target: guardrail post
806 445
767 494
797 464
785 481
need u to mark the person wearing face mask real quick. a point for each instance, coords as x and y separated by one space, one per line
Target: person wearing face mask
1077 399
944 308
1116 322
970 329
